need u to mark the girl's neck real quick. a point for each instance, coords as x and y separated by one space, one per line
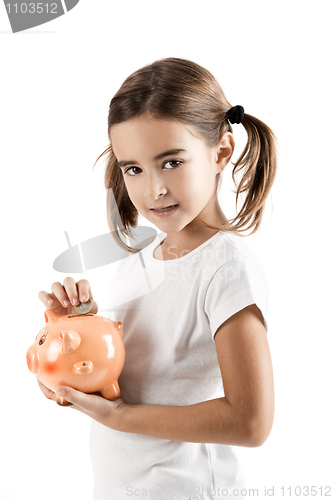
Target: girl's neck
178 244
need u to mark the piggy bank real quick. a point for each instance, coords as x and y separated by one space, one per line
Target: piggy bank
85 352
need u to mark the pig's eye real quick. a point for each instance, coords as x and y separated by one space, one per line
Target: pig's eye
43 338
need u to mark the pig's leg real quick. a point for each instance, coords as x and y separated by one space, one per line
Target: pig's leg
111 392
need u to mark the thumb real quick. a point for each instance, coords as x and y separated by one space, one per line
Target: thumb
94 308
69 396
89 404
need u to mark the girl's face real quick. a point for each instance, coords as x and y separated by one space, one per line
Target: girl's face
164 164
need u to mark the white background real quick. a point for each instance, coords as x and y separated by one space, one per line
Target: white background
56 83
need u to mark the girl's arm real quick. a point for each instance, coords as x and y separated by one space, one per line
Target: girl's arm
243 417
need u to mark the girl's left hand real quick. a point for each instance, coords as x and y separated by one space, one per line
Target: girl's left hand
102 410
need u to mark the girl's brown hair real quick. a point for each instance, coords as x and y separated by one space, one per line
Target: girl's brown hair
182 90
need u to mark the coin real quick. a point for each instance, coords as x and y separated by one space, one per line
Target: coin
84 307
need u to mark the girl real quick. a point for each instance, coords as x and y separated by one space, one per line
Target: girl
198 376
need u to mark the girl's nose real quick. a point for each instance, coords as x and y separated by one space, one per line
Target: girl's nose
154 188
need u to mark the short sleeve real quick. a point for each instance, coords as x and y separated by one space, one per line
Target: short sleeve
235 285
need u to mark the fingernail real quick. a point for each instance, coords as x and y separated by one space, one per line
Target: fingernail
49 301
83 298
61 391
75 301
66 303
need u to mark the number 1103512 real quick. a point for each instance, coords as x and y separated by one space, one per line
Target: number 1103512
32 8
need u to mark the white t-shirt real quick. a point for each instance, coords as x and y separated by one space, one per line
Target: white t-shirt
170 311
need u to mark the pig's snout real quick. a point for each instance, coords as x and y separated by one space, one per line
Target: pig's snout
32 359
83 367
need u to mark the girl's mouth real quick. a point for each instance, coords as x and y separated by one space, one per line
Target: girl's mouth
160 212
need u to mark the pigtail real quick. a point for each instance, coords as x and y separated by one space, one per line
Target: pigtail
258 161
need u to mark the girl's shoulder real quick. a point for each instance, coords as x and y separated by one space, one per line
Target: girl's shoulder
237 280
227 248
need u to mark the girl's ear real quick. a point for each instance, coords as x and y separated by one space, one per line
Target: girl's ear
224 150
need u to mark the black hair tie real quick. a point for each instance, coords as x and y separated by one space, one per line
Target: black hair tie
235 114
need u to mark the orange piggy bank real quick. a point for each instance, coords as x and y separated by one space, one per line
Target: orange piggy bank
85 352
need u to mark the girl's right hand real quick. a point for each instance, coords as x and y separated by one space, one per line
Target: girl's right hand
64 297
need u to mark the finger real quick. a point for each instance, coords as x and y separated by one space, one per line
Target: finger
106 412
94 308
45 298
71 290
93 406
84 290
49 394
60 293
62 401
77 398
46 391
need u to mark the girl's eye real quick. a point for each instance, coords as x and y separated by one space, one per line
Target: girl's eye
173 163
132 169
41 341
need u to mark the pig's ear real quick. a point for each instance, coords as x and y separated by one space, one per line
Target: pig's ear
70 341
51 315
